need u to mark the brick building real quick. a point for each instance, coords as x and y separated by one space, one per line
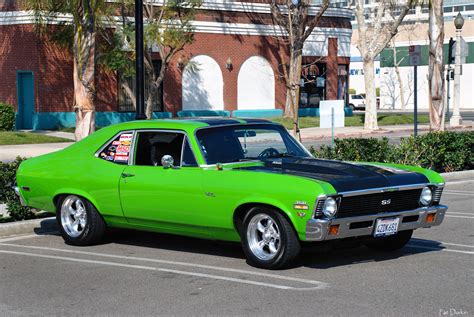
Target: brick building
236 48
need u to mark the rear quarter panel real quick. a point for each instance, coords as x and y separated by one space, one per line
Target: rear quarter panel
74 170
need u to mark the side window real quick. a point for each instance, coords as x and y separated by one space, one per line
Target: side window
118 150
188 156
150 147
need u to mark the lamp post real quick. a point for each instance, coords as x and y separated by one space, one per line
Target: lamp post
139 63
456 119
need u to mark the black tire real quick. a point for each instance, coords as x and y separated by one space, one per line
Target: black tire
93 228
390 243
288 243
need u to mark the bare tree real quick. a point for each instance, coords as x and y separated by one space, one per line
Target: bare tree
294 18
394 81
436 65
375 32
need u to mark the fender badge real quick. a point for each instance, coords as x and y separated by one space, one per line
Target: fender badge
300 205
301 214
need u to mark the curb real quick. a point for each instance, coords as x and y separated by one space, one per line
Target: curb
28 227
457 176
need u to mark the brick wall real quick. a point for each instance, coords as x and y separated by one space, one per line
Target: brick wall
220 47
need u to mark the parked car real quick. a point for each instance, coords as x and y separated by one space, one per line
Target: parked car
357 102
227 179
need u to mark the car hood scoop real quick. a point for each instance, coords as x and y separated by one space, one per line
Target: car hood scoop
341 175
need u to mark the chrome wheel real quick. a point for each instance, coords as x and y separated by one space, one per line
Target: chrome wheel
73 216
263 236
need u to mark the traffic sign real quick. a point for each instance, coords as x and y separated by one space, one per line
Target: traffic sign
414 52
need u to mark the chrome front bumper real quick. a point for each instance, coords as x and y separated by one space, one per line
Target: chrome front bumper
318 229
17 192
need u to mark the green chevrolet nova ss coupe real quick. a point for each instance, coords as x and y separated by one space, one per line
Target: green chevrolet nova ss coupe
227 179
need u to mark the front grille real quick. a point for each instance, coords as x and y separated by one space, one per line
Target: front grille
318 211
370 204
437 191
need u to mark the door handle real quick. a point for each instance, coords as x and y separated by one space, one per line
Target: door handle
125 175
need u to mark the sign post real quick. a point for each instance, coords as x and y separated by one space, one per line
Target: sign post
414 52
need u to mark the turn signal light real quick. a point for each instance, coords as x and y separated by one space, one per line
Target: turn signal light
333 230
430 218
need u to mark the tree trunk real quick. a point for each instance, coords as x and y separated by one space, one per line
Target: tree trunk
293 89
400 87
128 90
149 100
370 95
84 84
436 65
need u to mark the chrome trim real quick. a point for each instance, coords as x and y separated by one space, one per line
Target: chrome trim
382 190
317 229
18 193
230 163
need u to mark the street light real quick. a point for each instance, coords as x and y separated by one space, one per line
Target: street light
456 119
139 62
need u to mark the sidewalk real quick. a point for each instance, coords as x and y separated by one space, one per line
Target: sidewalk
357 132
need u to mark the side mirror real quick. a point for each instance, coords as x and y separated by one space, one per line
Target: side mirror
167 161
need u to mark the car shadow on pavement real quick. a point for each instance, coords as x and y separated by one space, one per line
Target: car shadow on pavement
174 243
317 256
326 257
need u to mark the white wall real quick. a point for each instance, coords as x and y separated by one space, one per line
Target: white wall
256 84
356 76
203 85
390 96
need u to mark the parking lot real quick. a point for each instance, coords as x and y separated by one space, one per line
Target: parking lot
135 273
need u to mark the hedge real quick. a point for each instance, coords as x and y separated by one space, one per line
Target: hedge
440 151
7 117
8 196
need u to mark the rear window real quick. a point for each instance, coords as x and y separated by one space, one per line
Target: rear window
118 150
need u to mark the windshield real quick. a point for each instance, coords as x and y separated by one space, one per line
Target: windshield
247 142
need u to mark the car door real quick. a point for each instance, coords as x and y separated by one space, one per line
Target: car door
153 195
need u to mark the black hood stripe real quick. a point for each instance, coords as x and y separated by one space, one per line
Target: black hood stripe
342 176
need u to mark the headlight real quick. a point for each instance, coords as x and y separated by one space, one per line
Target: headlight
330 207
426 196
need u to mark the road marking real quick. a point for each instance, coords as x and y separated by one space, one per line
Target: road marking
15 238
458 182
459 245
446 243
438 249
453 216
460 193
461 213
315 284
150 268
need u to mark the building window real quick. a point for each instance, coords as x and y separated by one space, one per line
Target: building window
313 85
125 103
469 7
448 9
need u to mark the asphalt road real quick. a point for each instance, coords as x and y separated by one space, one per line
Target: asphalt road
151 274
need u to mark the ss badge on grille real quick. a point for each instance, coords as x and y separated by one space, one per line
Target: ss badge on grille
386 202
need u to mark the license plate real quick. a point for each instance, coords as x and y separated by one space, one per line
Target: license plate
386 227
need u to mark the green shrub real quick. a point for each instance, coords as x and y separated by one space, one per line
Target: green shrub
7 117
351 149
352 91
7 194
439 151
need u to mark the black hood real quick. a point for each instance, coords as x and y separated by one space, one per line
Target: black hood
342 176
